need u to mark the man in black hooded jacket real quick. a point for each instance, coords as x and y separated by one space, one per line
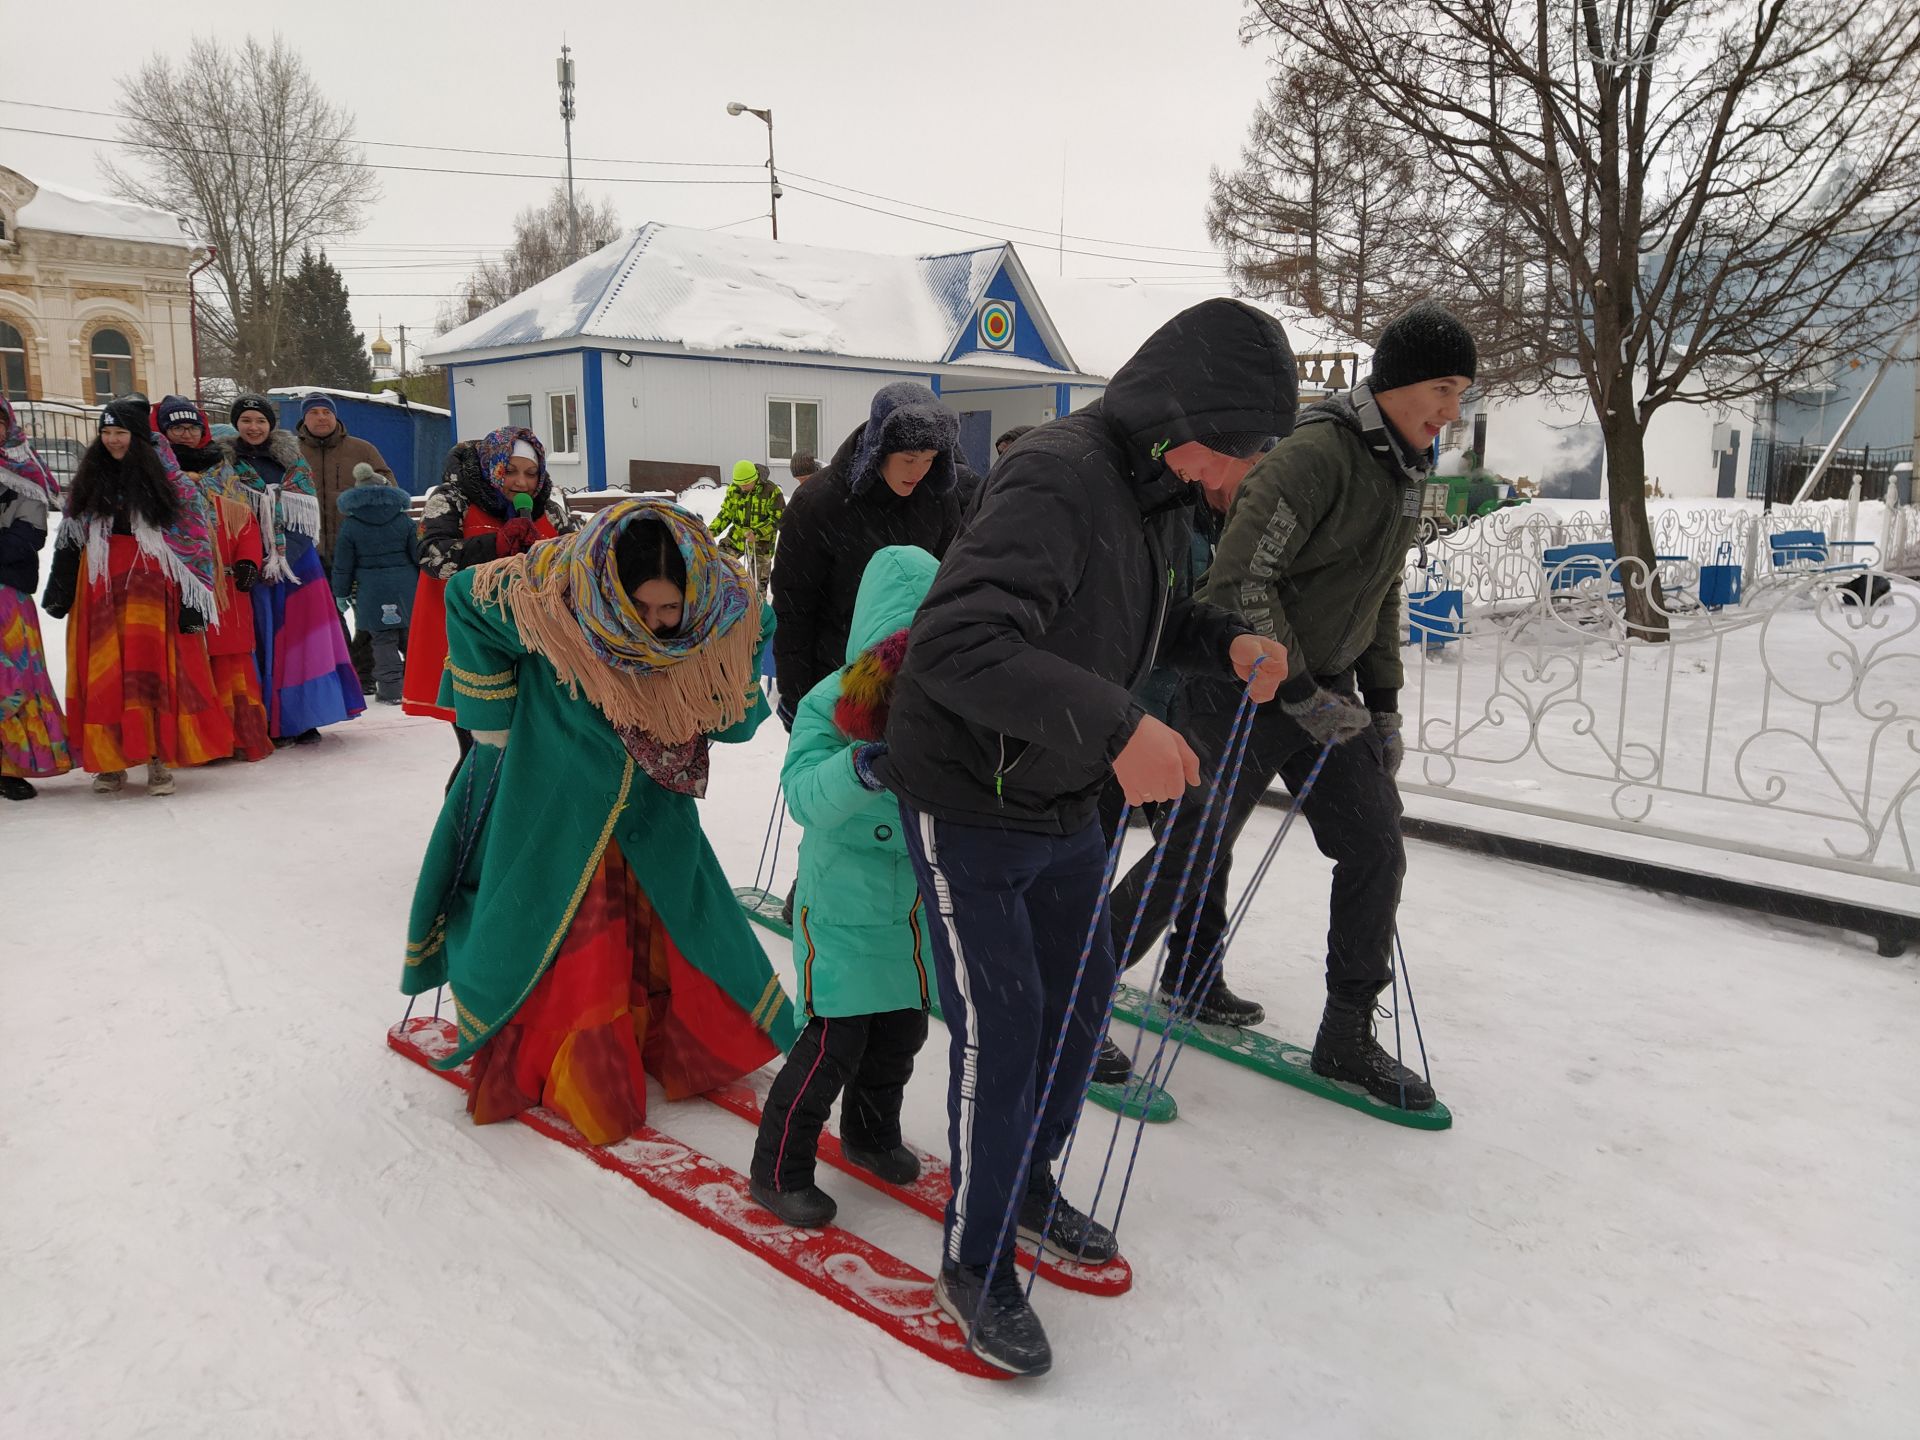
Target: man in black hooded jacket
1013 708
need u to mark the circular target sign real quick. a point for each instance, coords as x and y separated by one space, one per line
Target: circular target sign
996 324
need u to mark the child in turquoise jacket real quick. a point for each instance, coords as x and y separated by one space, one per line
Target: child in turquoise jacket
858 929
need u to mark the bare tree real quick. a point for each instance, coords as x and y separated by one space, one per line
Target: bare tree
1660 201
245 143
539 249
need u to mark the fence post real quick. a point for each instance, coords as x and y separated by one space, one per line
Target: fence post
1853 507
1890 504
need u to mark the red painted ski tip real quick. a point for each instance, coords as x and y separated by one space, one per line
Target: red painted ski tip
853 1273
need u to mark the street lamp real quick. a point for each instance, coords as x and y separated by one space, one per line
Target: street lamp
734 107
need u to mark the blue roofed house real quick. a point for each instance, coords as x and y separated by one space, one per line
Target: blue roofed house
673 352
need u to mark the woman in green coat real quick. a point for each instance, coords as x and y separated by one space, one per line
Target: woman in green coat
569 897
857 943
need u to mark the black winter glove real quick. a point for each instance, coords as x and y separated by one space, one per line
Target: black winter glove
192 622
58 600
1329 718
864 757
246 575
1386 724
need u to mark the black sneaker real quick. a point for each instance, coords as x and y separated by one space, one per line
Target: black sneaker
1112 1067
1069 1233
1345 1049
1220 1006
808 1208
307 737
1007 1332
15 787
897 1166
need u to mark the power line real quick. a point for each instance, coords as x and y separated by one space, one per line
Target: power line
405 145
1049 241
359 164
1050 233
989 235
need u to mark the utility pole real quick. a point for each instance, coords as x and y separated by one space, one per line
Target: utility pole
403 351
564 67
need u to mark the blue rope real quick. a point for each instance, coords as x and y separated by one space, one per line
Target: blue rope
1233 755
1053 1067
1181 1015
776 816
1413 1010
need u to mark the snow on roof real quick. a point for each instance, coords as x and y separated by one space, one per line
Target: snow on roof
67 211
378 397
707 291
1105 321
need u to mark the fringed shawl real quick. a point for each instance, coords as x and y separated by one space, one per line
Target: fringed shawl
292 504
184 550
567 601
21 472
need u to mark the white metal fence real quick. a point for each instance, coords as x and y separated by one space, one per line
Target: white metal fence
1788 727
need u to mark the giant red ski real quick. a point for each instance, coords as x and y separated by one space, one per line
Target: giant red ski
929 1195
854 1274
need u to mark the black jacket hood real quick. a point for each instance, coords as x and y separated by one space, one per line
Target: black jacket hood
1219 368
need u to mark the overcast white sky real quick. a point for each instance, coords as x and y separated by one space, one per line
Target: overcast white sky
970 108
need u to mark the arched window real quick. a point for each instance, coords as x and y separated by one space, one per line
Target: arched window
112 365
13 363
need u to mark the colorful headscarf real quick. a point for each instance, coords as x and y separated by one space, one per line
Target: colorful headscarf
570 605
293 504
22 472
496 450
183 549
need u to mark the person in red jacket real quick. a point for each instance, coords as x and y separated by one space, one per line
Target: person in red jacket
496 499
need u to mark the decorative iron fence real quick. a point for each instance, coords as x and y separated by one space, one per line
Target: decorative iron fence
1786 728
1776 472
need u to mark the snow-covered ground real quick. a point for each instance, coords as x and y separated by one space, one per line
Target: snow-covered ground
1677 1199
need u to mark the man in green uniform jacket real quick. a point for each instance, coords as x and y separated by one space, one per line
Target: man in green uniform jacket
1312 556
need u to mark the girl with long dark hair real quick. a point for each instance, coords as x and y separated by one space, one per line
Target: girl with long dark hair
133 571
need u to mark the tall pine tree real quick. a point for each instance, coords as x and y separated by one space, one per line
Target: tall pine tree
319 344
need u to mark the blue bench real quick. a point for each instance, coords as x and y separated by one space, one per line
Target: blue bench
1571 565
1811 550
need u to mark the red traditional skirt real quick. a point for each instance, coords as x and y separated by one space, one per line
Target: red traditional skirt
619 1003
427 631
137 689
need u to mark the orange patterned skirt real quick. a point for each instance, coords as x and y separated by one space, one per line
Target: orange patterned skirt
137 689
618 1003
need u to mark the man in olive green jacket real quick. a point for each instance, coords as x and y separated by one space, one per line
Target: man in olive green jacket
1312 556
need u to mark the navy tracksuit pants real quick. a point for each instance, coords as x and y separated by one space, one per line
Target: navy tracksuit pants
1010 913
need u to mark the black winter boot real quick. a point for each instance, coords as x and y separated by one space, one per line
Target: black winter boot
1345 1049
1071 1233
1008 1333
1113 1067
14 787
898 1166
1220 1006
808 1208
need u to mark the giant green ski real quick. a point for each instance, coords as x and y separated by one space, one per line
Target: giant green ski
763 908
1135 1099
1273 1058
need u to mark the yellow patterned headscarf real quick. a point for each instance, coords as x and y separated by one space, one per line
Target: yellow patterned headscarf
569 605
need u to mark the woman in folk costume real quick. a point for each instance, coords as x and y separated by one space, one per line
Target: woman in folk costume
240 554
494 499
33 735
304 665
568 895
134 564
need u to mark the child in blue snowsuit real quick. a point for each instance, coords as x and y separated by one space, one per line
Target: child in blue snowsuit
376 564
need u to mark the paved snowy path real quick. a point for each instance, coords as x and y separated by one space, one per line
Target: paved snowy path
227 1210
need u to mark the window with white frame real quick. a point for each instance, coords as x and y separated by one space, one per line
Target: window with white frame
563 425
520 411
793 427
